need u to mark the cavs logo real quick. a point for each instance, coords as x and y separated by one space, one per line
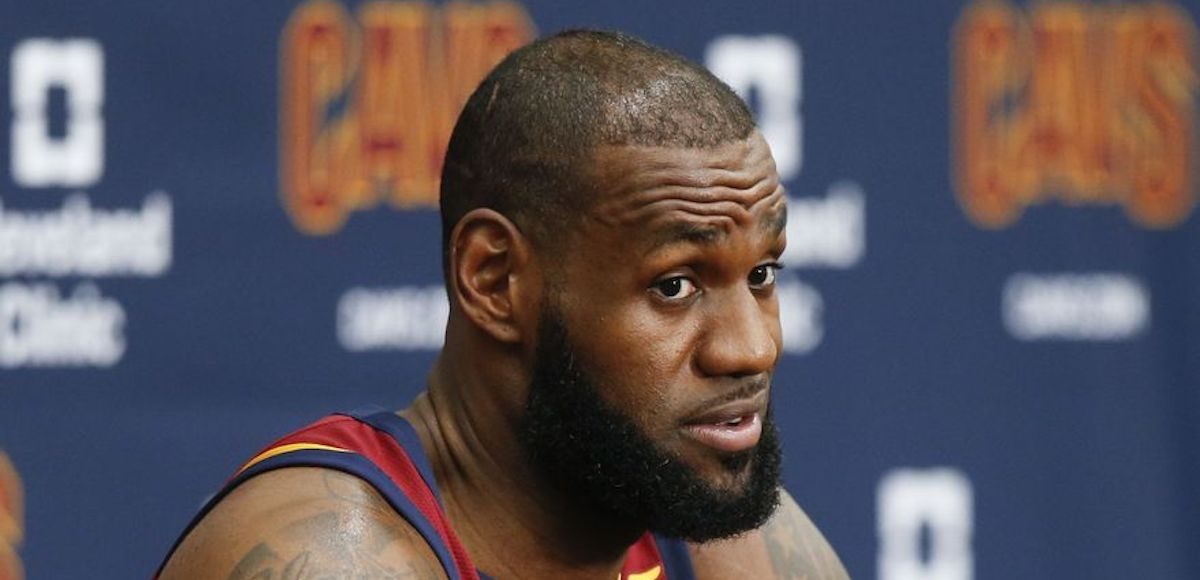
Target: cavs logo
368 104
1091 103
12 520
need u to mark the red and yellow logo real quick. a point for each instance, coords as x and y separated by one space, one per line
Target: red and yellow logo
12 520
1093 104
367 105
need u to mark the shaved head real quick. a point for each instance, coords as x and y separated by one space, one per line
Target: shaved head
524 142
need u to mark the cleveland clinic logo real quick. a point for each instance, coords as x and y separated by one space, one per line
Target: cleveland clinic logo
367 103
54 258
1087 104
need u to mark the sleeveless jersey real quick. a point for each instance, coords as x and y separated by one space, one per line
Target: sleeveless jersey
383 449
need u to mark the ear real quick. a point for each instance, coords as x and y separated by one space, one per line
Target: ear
492 273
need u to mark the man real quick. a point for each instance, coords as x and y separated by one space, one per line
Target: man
612 223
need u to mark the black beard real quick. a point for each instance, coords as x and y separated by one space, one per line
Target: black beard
588 450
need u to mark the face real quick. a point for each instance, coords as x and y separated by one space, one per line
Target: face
653 368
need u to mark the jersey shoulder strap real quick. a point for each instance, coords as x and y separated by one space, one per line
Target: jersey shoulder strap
378 447
676 561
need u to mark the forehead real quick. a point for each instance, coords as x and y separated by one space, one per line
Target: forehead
731 185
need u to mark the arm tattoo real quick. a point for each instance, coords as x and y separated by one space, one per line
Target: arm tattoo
797 549
337 543
309 565
257 559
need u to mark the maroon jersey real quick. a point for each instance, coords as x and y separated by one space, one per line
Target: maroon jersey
381 448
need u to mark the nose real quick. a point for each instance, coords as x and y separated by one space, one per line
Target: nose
742 336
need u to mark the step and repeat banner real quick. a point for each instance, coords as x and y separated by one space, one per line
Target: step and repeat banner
218 222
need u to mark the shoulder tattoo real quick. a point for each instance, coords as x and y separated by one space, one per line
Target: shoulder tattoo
350 537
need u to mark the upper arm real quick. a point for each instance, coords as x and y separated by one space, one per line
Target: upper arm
303 523
789 546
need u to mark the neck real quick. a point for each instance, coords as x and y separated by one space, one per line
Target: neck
512 523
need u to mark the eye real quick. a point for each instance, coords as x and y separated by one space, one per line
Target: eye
675 289
763 276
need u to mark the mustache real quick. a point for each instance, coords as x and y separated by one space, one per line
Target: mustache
747 389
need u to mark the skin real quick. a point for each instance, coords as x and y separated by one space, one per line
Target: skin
667 289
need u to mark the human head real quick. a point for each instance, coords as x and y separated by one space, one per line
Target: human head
552 149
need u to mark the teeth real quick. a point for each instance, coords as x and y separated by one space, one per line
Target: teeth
733 422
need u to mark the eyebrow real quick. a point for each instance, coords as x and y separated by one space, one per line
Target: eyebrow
776 222
687 232
707 235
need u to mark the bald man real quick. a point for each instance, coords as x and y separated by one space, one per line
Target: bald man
612 225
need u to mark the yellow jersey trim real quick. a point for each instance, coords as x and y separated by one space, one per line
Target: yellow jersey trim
290 447
651 574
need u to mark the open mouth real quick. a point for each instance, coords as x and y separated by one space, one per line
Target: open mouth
728 435
731 426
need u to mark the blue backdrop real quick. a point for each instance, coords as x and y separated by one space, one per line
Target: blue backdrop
215 226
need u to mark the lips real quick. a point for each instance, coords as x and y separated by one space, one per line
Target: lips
731 427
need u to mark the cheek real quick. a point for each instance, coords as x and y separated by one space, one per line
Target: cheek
642 364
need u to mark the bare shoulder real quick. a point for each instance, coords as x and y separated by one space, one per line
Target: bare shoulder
303 522
789 546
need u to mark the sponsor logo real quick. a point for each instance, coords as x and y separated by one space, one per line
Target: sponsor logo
801 316
827 232
367 104
1098 306
926 521
405 318
1086 104
12 520
41 328
81 240
42 325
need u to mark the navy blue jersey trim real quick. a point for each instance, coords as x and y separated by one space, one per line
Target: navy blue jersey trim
350 463
403 432
677 562
406 435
